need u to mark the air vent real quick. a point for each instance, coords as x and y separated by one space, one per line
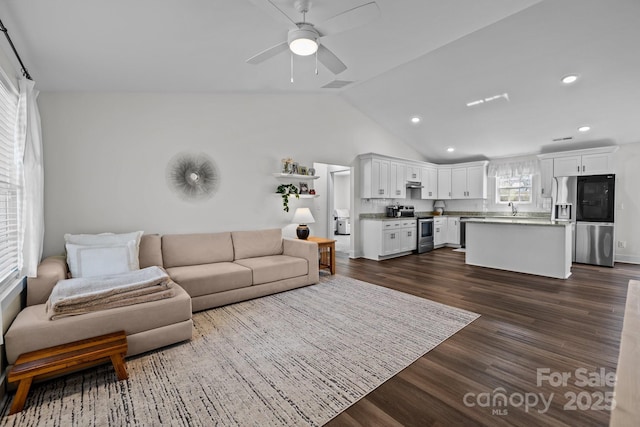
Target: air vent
566 138
337 84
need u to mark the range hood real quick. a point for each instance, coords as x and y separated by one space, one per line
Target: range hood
414 184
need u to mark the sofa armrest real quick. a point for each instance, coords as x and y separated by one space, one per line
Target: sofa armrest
307 250
50 270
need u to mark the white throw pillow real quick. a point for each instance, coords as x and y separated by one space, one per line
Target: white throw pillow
103 239
87 261
84 262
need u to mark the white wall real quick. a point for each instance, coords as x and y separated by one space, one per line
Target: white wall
106 154
628 202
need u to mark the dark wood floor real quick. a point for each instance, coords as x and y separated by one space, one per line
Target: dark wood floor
527 322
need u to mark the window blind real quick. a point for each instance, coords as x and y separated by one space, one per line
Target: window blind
9 185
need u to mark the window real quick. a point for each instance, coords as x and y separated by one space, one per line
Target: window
516 189
9 184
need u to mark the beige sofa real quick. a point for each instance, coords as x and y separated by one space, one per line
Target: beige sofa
210 269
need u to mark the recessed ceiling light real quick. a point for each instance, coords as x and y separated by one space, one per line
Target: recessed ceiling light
584 128
451 149
415 120
569 78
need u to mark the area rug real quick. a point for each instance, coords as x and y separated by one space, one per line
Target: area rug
296 358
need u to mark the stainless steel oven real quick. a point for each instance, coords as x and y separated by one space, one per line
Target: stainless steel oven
425 234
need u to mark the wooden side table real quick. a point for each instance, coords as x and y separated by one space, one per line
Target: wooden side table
327 250
64 358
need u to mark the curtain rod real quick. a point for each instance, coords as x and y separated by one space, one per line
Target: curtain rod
25 73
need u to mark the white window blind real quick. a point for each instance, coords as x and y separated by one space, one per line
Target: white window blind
9 185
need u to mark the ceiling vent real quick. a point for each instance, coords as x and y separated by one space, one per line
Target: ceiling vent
337 84
566 138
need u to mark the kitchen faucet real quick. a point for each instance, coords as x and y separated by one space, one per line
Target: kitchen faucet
514 209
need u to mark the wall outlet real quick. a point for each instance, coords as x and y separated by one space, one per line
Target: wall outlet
622 244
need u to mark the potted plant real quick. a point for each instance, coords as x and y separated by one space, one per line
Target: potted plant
285 190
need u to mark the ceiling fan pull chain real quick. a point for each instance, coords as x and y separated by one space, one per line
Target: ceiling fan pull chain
291 67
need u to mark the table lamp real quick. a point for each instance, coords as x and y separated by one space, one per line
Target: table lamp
303 217
439 206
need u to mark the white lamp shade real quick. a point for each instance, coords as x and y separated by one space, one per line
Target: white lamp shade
439 204
303 216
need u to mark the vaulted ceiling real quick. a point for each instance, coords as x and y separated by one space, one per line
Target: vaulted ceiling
422 58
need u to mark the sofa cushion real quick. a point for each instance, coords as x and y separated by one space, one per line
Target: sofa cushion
195 249
268 269
150 250
210 278
250 244
32 329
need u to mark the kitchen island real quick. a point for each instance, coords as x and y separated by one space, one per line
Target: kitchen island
525 245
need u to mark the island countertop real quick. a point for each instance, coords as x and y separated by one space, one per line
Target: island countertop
518 220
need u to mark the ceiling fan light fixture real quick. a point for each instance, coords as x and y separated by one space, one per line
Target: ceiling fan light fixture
303 41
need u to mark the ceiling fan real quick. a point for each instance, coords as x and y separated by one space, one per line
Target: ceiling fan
304 37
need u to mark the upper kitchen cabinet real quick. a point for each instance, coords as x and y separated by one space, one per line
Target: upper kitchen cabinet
469 181
413 173
546 177
444 183
374 178
397 180
596 161
429 181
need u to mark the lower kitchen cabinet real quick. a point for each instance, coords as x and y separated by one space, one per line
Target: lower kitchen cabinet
453 230
383 239
446 231
439 231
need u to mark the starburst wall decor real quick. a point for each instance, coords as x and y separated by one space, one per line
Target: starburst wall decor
193 176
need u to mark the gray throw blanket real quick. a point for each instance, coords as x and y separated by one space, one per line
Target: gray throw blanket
81 295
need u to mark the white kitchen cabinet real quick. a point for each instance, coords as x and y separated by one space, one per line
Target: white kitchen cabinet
374 178
597 164
408 235
469 182
477 182
413 173
397 180
439 231
453 230
586 164
444 183
429 188
546 177
383 239
459 183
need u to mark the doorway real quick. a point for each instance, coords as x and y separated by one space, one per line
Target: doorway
332 205
340 197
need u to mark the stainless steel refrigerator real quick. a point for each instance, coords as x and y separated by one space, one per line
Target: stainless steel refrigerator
563 194
588 203
595 226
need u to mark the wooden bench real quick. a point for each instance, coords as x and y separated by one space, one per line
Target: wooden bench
53 361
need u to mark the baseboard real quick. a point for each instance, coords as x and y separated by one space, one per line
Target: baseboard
629 259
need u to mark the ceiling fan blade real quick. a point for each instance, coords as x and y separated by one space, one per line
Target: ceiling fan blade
329 60
274 11
268 53
349 19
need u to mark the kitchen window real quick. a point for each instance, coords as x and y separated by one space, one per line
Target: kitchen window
516 189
